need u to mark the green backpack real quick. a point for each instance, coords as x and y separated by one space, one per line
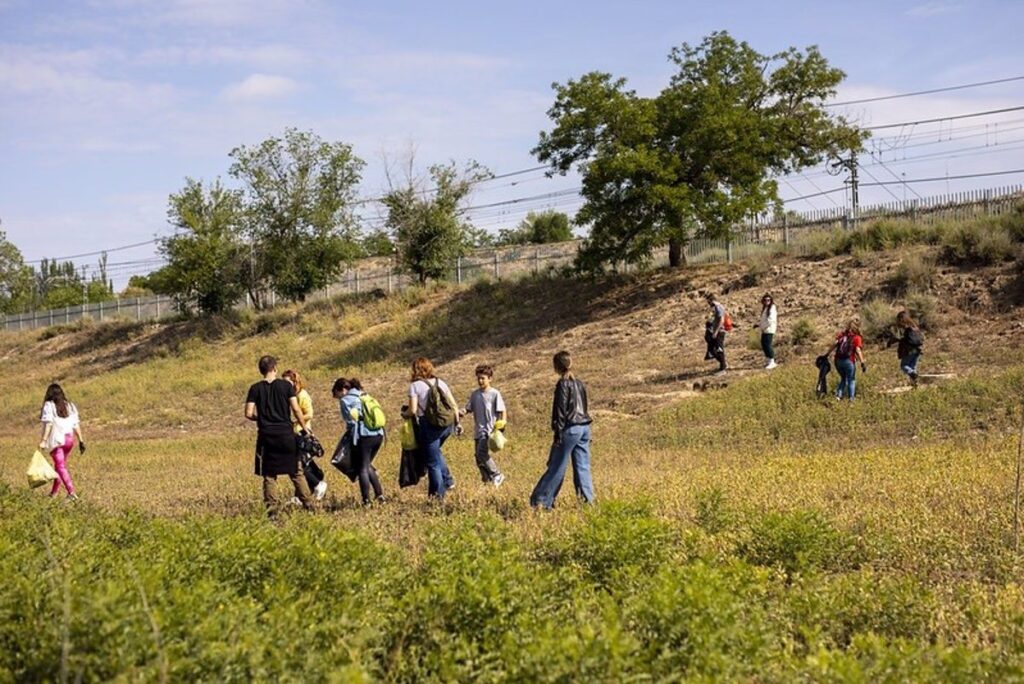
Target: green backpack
440 410
373 415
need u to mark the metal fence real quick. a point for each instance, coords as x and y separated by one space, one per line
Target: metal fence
774 236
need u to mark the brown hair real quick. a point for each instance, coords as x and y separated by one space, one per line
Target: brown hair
295 378
563 363
854 326
55 393
422 369
905 320
484 369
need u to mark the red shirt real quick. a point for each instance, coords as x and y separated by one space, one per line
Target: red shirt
856 343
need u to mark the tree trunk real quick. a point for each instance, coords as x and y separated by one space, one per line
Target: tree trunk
676 256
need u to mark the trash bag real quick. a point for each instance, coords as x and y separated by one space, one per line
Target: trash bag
496 442
407 435
343 461
40 472
412 468
307 443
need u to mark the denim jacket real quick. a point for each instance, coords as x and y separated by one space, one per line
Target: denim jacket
355 428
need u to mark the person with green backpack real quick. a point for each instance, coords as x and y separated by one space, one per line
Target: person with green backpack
436 415
365 421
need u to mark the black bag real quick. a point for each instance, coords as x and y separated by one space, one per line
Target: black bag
412 468
307 443
343 461
824 368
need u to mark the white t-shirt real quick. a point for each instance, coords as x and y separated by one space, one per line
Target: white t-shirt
62 427
421 390
769 320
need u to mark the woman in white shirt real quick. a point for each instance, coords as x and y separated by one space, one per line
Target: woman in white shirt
769 323
60 427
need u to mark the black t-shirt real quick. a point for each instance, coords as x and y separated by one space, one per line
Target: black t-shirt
273 411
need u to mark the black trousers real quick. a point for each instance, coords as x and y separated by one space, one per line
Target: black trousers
363 454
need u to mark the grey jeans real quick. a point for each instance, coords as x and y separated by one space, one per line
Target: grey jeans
488 468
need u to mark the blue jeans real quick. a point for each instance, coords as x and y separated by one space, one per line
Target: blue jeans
575 445
431 439
847 378
908 364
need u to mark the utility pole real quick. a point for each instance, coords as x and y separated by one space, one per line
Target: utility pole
849 164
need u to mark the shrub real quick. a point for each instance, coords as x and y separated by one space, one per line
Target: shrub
915 272
876 319
981 243
803 333
819 243
922 306
798 541
757 268
754 339
1014 223
882 234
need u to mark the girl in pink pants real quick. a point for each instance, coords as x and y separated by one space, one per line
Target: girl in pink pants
60 427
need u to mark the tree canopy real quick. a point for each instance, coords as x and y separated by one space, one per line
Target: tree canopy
538 228
700 156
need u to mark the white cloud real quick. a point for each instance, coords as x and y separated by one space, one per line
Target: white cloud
261 87
265 56
934 8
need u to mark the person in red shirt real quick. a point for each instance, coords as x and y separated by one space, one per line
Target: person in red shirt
848 348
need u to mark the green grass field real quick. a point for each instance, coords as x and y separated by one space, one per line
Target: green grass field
744 533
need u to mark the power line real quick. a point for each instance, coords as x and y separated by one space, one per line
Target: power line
926 92
943 118
98 253
891 193
893 174
947 178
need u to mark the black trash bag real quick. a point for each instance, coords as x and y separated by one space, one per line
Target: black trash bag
307 443
343 461
412 468
824 368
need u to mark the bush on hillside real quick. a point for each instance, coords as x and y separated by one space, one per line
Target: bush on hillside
883 234
803 333
922 306
980 243
915 272
876 319
819 243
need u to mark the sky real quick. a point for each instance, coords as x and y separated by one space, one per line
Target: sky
107 106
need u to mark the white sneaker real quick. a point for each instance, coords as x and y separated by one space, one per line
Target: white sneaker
771 364
498 479
320 491
294 501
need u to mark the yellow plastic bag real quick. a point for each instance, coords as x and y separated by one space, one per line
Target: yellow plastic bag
496 442
407 435
40 472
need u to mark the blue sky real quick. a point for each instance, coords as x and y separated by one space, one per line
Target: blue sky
107 105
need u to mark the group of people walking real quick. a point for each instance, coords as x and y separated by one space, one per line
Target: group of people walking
847 351
283 411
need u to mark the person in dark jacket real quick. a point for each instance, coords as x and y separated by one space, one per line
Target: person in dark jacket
908 347
570 423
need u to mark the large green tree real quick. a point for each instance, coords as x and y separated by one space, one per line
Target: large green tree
538 228
206 256
300 192
15 278
428 224
699 157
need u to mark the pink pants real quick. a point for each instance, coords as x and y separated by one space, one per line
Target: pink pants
60 459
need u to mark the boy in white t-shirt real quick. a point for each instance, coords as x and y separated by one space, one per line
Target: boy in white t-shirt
488 409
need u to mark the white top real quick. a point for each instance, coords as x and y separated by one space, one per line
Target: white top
62 427
421 390
769 320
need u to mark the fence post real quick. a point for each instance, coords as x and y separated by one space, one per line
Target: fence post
158 307
138 308
536 261
117 301
497 273
51 317
785 230
101 311
458 270
67 314
389 280
988 202
728 249
357 280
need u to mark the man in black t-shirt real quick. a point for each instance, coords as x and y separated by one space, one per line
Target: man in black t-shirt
271 403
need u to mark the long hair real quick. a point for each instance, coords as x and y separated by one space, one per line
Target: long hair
422 369
853 326
295 378
563 364
905 320
55 393
769 305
